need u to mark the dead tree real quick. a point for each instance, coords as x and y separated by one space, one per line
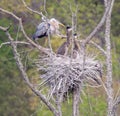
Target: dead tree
64 74
109 60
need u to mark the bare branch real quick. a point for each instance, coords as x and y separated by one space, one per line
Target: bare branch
3 28
97 46
100 24
76 100
93 86
44 50
24 74
10 13
34 11
117 101
110 108
15 42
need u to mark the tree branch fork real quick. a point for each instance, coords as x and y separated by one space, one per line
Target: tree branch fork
47 51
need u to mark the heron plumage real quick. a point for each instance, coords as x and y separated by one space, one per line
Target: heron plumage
41 30
47 27
63 49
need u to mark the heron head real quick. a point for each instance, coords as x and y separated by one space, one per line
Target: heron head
55 22
75 35
69 28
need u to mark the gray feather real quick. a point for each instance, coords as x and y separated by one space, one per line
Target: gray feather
41 30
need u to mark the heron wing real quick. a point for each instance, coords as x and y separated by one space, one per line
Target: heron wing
41 30
41 25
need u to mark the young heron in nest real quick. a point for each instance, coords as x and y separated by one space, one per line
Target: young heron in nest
76 47
63 49
63 75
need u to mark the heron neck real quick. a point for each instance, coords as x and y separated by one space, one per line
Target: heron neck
68 37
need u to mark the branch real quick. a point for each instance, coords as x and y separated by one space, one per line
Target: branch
24 74
117 101
76 100
15 42
99 47
115 105
34 11
100 24
3 28
10 13
110 107
44 50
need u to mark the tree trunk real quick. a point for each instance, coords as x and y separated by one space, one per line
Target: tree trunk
109 61
76 100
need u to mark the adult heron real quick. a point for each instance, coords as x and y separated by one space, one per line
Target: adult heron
63 49
47 27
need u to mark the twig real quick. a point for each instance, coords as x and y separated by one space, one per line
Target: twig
97 46
117 101
3 28
17 35
93 86
100 24
116 96
103 85
34 11
44 50
45 7
15 42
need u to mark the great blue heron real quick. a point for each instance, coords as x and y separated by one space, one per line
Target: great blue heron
47 27
63 49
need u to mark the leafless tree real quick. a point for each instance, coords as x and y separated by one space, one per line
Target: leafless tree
109 60
64 74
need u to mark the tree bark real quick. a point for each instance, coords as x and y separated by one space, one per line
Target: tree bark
76 101
110 111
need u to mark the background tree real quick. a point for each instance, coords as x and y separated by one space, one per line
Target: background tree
86 21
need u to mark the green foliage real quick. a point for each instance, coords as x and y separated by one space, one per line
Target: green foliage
116 19
43 111
12 98
90 106
93 106
116 57
67 107
88 14
13 101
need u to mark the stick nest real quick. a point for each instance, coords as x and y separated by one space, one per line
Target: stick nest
63 74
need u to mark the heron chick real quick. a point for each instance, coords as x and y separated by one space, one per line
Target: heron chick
47 27
76 46
63 49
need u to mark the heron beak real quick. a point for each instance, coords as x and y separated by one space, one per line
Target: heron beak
61 24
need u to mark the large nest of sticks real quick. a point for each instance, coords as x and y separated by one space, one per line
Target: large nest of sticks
69 68
63 74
